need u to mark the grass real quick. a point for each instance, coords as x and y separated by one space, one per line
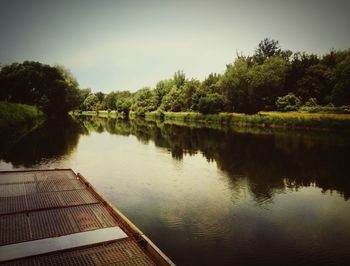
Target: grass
303 120
319 121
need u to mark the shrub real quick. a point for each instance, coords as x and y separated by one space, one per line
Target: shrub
212 103
287 103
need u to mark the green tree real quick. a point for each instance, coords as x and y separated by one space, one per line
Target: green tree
110 101
52 89
234 84
83 93
316 83
266 83
186 94
100 96
179 78
289 102
123 102
212 103
341 91
123 105
173 100
90 102
143 101
267 48
162 88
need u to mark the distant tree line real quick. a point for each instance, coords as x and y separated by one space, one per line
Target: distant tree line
271 79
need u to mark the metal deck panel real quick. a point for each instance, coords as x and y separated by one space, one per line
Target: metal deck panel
122 252
47 205
55 244
34 225
31 202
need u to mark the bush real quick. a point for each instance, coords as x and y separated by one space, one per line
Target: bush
311 102
287 103
329 109
212 103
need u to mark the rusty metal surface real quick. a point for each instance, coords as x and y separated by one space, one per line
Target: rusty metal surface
16 177
122 252
7 177
32 201
34 225
49 203
34 187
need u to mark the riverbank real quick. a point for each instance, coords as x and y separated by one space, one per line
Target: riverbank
102 113
319 121
296 120
16 120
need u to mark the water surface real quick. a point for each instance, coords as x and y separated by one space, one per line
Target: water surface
210 196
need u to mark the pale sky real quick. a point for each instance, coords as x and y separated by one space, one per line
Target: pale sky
126 45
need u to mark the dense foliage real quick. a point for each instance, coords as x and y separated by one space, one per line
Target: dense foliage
271 79
52 89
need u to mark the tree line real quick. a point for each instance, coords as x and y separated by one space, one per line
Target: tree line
270 79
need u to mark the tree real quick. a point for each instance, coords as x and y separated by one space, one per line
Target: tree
316 83
341 91
162 88
90 102
210 83
143 101
123 105
110 101
266 83
83 93
173 100
53 89
296 70
234 84
179 78
289 102
212 103
123 102
186 93
267 48
100 96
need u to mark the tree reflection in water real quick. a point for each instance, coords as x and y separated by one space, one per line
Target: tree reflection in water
271 161
51 141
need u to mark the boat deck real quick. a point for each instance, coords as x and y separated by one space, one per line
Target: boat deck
55 217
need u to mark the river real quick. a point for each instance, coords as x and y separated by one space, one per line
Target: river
210 196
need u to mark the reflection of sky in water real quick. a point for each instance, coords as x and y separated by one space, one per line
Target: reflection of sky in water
196 212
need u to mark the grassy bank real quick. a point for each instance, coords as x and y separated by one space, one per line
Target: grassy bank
263 119
16 120
319 121
103 113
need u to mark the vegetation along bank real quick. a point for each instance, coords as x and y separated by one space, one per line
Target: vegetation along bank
253 90
17 120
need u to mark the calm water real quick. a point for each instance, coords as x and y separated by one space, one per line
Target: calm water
210 196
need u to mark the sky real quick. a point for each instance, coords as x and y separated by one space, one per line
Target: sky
127 45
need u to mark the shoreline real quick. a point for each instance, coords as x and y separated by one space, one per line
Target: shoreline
278 120
16 121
